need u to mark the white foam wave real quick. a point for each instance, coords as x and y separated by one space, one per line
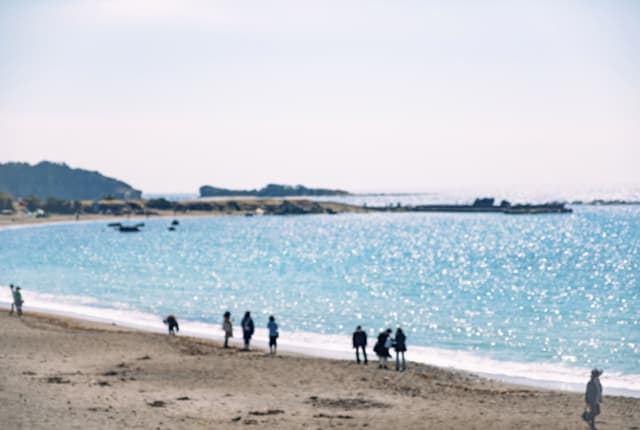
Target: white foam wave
545 375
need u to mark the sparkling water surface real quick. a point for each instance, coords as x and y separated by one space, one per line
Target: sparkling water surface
559 289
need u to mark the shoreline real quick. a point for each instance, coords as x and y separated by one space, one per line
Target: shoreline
102 376
337 347
531 374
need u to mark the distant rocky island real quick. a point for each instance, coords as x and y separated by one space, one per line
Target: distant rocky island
55 188
484 205
58 180
270 190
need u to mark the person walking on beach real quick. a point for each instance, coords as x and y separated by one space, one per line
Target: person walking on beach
247 329
382 346
172 322
593 398
17 300
273 335
227 326
360 341
400 345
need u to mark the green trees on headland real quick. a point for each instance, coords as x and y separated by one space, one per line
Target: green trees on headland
270 190
57 180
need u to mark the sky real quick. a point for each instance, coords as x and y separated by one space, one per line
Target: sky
169 95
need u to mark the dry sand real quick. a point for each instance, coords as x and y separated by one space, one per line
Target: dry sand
64 374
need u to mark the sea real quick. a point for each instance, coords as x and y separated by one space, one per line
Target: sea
532 299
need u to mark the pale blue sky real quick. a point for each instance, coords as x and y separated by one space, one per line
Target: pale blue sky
364 95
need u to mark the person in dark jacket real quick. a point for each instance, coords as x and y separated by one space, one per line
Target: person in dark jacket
400 345
272 325
382 348
247 329
360 341
172 322
593 398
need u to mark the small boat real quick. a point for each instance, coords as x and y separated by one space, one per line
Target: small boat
171 228
127 228
175 222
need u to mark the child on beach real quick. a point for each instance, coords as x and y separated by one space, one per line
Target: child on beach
227 326
247 329
172 322
273 335
400 345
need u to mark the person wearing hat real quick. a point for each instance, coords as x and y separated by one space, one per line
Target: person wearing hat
593 398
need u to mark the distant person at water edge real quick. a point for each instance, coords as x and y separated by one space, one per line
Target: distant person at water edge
382 346
17 300
13 299
593 398
360 342
227 326
273 335
247 329
172 322
400 345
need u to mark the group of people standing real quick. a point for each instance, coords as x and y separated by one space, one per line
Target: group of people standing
382 347
248 328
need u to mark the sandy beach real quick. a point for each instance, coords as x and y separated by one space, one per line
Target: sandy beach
69 373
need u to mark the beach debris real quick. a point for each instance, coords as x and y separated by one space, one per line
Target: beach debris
28 372
110 373
157 404
57 380
346 404
183 398
103 384
250 422
340 417
235 419
144 357
267 412
121 365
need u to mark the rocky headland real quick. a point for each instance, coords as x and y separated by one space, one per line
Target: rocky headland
270 190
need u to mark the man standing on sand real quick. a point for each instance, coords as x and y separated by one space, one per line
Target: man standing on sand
400 345
360 341
247 329
273 335
593 398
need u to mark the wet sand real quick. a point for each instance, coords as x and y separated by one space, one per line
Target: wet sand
63 373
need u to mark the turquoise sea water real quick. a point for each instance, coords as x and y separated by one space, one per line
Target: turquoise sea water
550 290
